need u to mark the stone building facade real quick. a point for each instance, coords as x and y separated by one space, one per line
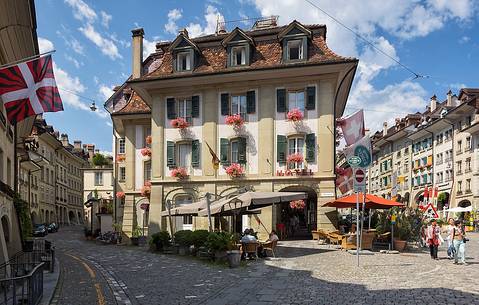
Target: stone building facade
258 75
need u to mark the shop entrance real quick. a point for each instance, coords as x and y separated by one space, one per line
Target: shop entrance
297 221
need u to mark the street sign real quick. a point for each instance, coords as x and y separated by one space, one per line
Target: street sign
393 219
359 180
363 153
354 161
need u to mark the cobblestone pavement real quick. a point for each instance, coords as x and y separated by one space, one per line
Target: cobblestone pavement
312 274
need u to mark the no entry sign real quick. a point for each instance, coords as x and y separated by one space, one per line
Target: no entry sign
359 180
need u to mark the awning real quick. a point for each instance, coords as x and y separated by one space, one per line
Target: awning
187 209
459 209
371 202
251 200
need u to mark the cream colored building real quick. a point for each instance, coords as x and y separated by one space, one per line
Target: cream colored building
259 74
18 40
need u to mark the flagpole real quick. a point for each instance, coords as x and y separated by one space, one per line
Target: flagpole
14 63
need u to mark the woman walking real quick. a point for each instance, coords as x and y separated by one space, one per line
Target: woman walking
459 243
433 238
450 238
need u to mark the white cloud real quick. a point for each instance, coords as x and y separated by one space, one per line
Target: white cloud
212 15
464 39
105 91
71 41
106 46
82 11
75 62
173 16
45 45
96 80
105 19
148 47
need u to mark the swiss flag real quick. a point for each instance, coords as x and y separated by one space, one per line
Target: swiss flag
29 88
344 179
352 127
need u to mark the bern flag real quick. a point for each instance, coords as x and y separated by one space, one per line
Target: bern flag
29 88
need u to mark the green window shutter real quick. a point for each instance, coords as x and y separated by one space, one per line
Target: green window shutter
281 146
281 100
224 151
251 102
170 154
170 108
225 104
195 153
310 98
195 106
310 147
242 150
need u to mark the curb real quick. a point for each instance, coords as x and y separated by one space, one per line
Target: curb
49 292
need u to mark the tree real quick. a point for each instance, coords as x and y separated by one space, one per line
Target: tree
99 160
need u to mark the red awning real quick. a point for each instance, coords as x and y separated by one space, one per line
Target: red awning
371 202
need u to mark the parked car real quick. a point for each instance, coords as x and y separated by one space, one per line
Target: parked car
40 230
53 227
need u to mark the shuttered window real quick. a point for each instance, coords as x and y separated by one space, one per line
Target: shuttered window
224 151
250 102
195 106
225 104
310 98
170 108
281 100
170 154
195 153
184 109
310 147
281 147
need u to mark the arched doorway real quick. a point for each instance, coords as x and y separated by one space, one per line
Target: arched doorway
419 198
298 222
71 217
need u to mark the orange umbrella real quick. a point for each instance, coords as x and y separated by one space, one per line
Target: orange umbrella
371 202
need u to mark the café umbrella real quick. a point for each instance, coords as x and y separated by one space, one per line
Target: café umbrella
370 202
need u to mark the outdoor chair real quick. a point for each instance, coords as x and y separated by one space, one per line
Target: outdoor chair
383 240
335 238
250 249
348 243
270 246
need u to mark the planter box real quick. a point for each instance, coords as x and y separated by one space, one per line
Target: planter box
400 245
184 250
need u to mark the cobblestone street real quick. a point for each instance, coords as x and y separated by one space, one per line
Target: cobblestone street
108 274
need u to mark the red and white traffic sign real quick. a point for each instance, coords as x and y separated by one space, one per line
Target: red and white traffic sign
359 180
359 175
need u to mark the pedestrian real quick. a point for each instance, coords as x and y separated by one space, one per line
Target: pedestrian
459 243
450 238
433 239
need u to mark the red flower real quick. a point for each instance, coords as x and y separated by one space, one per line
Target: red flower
179 123
234 170
146 189
295 115
234 120
295 158
297 204
120 157
180 173
146 152
120 195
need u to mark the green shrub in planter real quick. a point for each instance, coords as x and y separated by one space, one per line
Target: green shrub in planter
160 240
219 241
199 238
184 238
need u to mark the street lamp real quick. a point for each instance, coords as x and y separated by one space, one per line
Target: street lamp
93 106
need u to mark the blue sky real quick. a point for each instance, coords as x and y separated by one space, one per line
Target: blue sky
437 38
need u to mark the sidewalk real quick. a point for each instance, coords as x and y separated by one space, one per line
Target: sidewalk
50 281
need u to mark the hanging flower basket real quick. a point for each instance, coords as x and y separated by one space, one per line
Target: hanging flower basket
179 173
234 170
120 157
234 120
297 204
295 158
295 115
179 123
146 153
146 189
120 195
148 140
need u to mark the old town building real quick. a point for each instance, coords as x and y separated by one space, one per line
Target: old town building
282 83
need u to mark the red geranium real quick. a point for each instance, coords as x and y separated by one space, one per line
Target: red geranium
120 195
295 158
234 120
146 152
295 115
297 204
179 123
235 170
180 173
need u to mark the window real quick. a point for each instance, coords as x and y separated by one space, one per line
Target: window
184 109
147 171
184 155
459 146
468 144
295 146
9 172
459 186
295 50
468 185
121 145
183 61
296 100
238 105
122 175
238 56
186 223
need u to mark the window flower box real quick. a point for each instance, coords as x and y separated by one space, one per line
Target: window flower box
234 170
120 195
295 158
295 115
146 189
179 173
120 157
146 153
179 123
234 120
297 204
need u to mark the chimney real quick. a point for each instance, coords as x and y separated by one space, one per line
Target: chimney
449 99
90 148
385 129
433 103
184 32
64 139
137 48
77 144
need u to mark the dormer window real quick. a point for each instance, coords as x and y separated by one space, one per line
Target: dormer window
183 61
295 49
238 56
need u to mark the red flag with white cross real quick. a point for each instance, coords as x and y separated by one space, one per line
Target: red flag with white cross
352 127
29 88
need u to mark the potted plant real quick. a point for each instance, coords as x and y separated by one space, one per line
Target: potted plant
198 239
295 158
146 153
120 195
179 123
234 120
160 240
295 115
146 189
233 253
234 170
120 158
184 240
179 173
218 243
135 236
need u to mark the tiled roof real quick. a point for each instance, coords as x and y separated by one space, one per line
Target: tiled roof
134 106
267 54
